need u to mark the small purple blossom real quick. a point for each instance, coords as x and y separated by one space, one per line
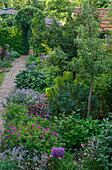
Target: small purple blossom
56 152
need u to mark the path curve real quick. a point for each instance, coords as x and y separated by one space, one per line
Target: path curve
8 83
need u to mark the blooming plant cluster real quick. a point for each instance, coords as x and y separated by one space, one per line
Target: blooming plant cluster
32 132
23 97
24 158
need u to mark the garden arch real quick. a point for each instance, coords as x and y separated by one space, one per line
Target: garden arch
23 19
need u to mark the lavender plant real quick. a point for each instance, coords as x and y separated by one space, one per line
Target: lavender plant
23 158
22 97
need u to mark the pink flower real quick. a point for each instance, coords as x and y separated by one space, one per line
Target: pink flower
11 127
26 132
18 136
33 125
27 127
55 133
8 131
14 128
39 140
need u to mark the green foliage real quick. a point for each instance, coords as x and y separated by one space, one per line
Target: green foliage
62 163
33 132
38 35
23 19
2 75
58 9
14 111
8 165
75 130
30 79
67 96
4 36
97 152
103 147
63 37
14 54
7 21
13 37
24 16
57 58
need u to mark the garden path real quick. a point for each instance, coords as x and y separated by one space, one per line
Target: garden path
8 83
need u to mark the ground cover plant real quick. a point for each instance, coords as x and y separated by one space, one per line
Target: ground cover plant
1 78
58 116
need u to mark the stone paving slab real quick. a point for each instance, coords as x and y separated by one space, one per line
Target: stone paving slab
8 83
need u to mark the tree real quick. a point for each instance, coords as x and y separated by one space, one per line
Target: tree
58 9
90 48
97 3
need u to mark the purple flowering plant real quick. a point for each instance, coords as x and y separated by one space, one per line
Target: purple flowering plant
56 152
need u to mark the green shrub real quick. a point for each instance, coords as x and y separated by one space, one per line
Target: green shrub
103 147
57 58
2 75
33 132
62 163
30 79
14 111
66 96
97 152
13 37
75 130
14 54
9 164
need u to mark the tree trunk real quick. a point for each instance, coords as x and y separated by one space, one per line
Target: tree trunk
89 99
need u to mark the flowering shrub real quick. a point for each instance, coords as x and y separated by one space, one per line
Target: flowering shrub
22 158
32 132
41 107
22 97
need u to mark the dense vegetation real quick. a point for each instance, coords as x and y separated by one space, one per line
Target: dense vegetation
59 116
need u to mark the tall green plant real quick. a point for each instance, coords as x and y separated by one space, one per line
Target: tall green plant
90 48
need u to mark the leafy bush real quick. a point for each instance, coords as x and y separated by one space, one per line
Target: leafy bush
75 130
31 60
40 108
30 79
57 58
66 96
22 97
97 151
8 164
13 37
103 147
63 162
22 158
30 131
14 111
14 54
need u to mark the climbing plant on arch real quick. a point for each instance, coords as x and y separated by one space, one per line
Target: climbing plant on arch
23 19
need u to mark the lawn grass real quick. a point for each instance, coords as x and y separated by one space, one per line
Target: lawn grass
2 75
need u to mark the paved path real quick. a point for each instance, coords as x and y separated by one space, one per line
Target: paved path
8 83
